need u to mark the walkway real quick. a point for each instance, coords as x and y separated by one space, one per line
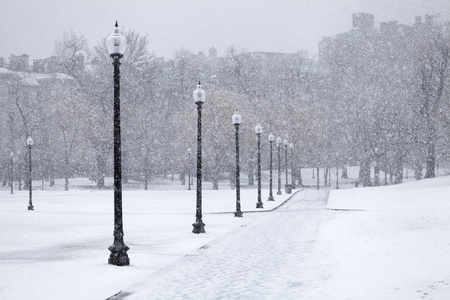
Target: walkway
265 259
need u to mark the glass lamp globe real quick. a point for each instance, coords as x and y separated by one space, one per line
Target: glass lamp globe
236 118
199 94
258 129
116 42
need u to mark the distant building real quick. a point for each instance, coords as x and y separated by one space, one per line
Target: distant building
54 65
212 52
392 40
363 21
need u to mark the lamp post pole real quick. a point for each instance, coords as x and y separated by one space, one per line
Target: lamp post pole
30 185
237 121
11 174
199 97
258 130
271 139
279 165
189 168
286 143
116 43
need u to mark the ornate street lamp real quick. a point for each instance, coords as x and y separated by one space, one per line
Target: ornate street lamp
237 121
116 44
11 178
271 139
291 146
258 130
286 143
279 165
199 97
189 168
30 185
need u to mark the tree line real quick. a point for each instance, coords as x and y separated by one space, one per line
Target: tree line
370 103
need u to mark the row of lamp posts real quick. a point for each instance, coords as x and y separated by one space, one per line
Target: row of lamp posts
116 44
199 226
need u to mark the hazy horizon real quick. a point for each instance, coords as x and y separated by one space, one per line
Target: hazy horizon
31 27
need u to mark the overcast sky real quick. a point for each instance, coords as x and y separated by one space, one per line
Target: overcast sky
31 26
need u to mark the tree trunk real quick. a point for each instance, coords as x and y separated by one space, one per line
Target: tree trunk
431 159
337 178
318 178
232 178
344 174
101 170
146 180
376 180
364 173
418 172
250 173
66 172
398 170
299 173
216 179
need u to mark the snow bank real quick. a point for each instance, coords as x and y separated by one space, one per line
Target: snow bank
417 195
392 243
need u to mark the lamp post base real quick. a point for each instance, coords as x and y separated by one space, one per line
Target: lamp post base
199 227
30 207
119 256
259 205
271 198
288 188
238 214
279 193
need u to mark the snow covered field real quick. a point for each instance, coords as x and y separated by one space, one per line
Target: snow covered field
371 243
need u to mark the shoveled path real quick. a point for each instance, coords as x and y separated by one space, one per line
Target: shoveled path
272 257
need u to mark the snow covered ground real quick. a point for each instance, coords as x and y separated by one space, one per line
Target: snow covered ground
371 243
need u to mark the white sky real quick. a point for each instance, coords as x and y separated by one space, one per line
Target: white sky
31 27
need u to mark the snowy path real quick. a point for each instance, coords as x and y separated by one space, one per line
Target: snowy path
254 262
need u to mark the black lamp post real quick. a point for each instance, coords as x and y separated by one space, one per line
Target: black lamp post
116 44
286 143
199 97
30 185
271 139
279 165
189 168
11 174
237 121
291 146
258 130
